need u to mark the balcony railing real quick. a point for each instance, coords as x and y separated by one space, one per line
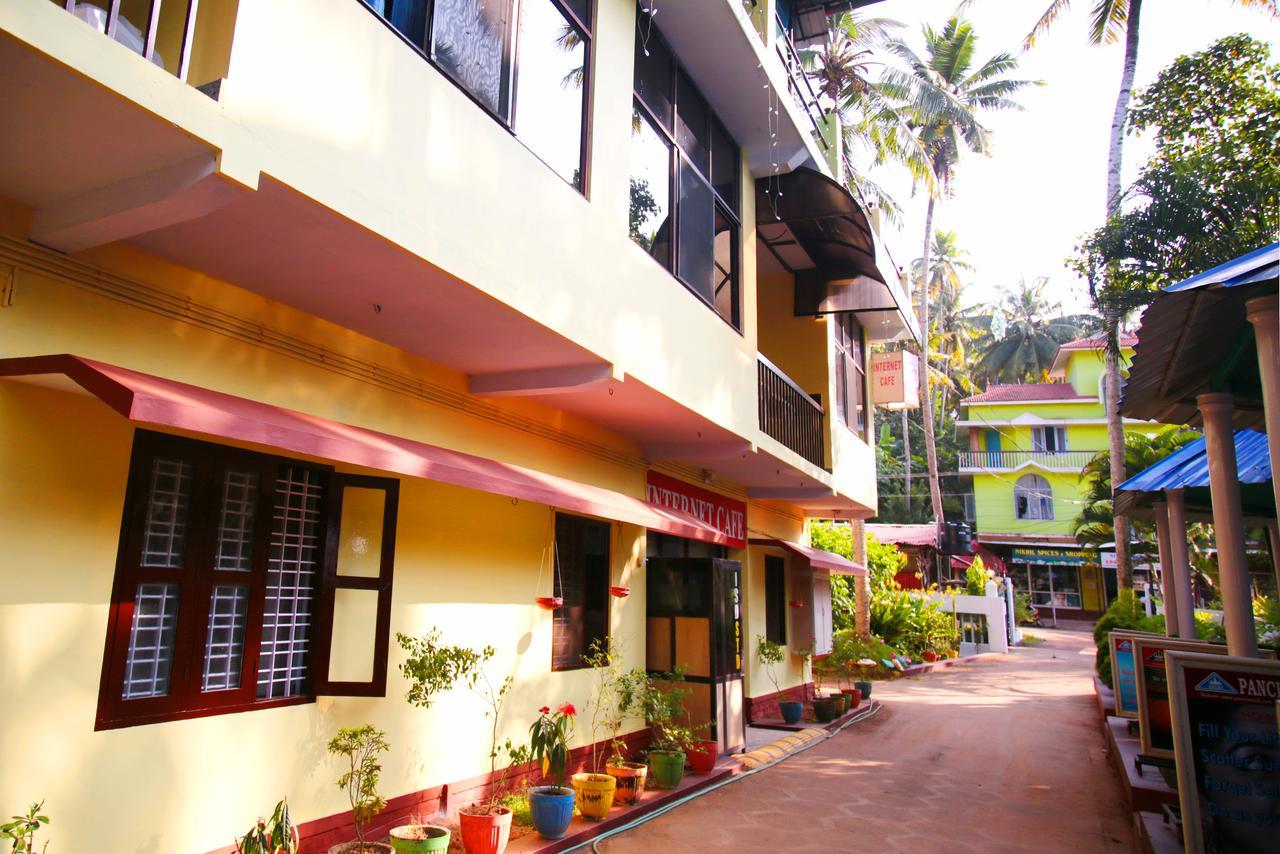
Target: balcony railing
790 415
799 85
167 33
1063 460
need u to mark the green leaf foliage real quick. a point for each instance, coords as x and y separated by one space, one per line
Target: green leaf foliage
361 746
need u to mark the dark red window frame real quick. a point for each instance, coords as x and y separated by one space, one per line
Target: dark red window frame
197 576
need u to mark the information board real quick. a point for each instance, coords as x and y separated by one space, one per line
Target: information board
1124 672
1227 751
1155 728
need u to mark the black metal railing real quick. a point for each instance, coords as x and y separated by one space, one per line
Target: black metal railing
799 86
790 415
140 36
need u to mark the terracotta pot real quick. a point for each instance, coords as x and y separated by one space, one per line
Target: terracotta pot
594 793
702 756
630 777
485 834
929 655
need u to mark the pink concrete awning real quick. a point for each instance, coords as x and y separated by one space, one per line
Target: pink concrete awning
817 558
164 403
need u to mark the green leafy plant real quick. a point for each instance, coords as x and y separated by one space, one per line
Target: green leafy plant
976 578
771 654
276 835
1023 609
662 700
21 832
432 667
549 741
361 746
615 697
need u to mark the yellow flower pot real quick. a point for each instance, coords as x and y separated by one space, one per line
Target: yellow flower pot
594 794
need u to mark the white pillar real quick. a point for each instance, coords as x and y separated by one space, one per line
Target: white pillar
1274 530
1172 605
1228 524
1178 573
1265 317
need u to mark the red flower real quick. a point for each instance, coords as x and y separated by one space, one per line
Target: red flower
567 709
544 710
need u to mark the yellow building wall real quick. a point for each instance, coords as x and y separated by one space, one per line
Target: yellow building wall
993 497
766 522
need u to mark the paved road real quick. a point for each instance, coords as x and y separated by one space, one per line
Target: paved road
1002 754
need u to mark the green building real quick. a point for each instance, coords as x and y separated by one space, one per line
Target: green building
1027 445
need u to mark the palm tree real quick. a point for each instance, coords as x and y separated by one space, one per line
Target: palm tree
1111 20
943 93
1034 328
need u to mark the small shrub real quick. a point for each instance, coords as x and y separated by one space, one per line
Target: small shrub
976 578
361 746
276 835
21 832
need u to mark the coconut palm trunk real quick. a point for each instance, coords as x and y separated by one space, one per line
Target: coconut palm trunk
926 399
906 455
1112 319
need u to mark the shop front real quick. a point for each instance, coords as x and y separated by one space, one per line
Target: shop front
1065 583
694 612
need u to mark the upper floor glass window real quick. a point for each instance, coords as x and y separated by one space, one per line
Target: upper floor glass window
525 61
1033 498
1050 439
850 371
684 195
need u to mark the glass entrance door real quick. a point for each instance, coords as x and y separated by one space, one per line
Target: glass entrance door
695 623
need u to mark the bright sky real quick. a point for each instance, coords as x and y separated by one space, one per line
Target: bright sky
1021 210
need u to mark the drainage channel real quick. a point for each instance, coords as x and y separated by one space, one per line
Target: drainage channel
871 711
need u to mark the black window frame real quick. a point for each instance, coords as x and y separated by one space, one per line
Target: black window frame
506 118
775 599
730 208
563 618
850 350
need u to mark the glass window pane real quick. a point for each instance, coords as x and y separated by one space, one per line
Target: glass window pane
407 16
171 31
164 538
653 71
291 584
224 641
150 659
694 254
693 132
649 220
550 89
724 166
235 529
360 532
724 275
469 41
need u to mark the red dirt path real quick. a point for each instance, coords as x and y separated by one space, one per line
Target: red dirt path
1002 754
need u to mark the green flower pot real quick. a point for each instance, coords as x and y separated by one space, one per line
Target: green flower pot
419 838
824 709
667 767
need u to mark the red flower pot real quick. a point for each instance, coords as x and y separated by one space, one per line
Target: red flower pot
929 655
485 834
855 696
549 603
620 592
702 756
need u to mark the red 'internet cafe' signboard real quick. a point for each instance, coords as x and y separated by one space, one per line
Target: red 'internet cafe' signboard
726 515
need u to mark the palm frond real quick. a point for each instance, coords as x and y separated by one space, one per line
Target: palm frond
1110 19
1056 8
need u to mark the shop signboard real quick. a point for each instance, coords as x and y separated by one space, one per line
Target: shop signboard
1226 727
726 515
1052 557
895 379
1124 672
1155 728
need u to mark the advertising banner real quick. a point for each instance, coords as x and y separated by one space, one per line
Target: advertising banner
1155 728
1227 748
726 515
1124 672
1052 557
895 379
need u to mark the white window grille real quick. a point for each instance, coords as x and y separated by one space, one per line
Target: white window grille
235 528
150 660
224 643
165 535
291 582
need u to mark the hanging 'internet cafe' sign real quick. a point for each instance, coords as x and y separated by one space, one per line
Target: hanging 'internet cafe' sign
726 515
895 379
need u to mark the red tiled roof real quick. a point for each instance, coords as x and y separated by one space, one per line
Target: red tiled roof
904 535
1097 342
1027 391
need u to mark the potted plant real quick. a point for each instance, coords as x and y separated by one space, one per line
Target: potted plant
865 687
771 655
361 747
486 826
629 777
702 754
432 667
552 806
276 835
824 709
593 788
929 655
663 708
21 832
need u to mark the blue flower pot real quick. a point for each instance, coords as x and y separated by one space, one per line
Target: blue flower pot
865 688
792 711
551 808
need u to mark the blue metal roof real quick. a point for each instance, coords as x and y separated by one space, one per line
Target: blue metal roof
1189 466
1256 266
